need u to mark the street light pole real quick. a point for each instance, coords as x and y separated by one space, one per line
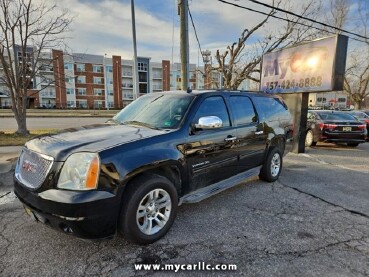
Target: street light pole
136 92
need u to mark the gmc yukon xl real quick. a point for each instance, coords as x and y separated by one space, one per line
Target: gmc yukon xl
131 173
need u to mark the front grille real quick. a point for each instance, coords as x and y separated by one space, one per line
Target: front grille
32 168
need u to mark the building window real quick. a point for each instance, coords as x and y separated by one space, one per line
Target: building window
127 95
81 79
143 88
69 80
68 66
97 68
321 99
142 66
81 91
80 67
98 104
98 80
98 91
142 77
70 91
82 104
71 104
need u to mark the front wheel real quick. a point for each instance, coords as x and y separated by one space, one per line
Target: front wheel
272 166
150 209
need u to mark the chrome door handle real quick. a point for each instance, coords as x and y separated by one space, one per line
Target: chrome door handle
230 139
259 132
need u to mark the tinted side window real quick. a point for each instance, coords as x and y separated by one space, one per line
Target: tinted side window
270 107
243 110
213 106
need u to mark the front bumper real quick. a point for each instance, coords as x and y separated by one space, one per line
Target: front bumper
85 214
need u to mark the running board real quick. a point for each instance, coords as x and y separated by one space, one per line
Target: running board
213 189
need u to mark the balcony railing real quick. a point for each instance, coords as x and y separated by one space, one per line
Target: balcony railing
127 74
157 87
126 85
48 94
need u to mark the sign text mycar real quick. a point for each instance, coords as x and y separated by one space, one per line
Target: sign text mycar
311 67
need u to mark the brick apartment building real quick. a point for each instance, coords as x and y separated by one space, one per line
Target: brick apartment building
99 82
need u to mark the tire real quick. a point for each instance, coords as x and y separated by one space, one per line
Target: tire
354 144
146 216
272 166
309 139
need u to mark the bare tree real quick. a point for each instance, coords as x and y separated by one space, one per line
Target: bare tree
356 82
357 74
357 77
27 29
241 61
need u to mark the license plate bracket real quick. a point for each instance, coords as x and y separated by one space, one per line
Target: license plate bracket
347 129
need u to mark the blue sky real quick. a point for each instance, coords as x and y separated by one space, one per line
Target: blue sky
104 26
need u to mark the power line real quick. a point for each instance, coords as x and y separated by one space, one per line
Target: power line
306 18
197 38
285 19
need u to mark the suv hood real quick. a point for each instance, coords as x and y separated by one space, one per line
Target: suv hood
91 138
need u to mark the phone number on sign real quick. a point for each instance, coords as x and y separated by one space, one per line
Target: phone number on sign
292 84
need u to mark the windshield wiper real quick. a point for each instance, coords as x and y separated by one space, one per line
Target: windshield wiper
139 123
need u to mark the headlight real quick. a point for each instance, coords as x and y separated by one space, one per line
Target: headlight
80 172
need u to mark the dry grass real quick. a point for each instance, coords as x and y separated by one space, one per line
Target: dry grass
9 138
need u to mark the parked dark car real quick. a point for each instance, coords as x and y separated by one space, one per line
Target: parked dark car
162 150
363 117
334 126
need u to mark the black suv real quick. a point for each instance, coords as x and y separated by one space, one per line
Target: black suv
131 173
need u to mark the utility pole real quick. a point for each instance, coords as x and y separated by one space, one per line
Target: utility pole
136 90
183 10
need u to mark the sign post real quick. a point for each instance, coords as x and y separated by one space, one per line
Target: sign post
316 66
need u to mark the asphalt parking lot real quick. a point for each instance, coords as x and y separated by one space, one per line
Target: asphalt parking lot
314 221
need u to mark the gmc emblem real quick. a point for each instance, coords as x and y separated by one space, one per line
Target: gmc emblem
29 167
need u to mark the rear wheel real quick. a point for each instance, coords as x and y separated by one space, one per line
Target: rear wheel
150 209
272 166
352 144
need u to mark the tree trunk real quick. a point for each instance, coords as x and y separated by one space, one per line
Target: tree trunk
20 111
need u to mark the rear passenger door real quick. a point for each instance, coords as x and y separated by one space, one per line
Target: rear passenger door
251 139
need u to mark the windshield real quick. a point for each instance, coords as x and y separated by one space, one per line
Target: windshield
160 111
336 116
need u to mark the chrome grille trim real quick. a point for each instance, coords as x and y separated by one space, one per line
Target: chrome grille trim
32 168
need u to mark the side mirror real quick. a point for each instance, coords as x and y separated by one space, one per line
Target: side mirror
209 122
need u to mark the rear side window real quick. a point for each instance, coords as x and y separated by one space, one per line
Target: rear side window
243 110
271 108
213 106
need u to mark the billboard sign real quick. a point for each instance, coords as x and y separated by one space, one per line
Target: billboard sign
316 66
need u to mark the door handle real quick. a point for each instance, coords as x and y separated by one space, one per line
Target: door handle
230 139
259 132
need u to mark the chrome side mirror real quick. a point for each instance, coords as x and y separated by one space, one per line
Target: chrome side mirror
209 122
